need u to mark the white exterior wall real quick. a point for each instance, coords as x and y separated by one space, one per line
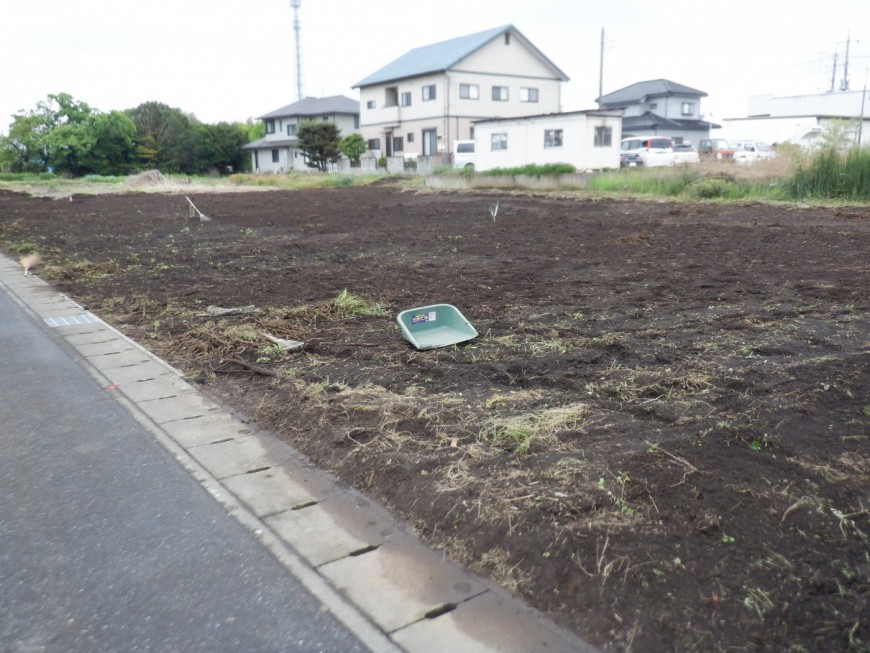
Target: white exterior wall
526 142
798 130
795 119
285 159
420 115
844 104
290 157
669 107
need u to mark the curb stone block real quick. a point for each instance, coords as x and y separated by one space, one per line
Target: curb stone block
400 582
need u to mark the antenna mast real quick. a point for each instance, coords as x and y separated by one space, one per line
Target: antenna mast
295 4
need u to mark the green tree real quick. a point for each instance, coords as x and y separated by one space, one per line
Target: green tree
179 150
221 147
25 148
353 146
22 150
254 129
166 137
102 144
319 142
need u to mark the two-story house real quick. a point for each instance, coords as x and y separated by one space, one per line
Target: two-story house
278 150
428 98
660 107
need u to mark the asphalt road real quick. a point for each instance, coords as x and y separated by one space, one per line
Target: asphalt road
108 544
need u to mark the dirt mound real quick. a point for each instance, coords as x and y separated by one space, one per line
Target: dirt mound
146 178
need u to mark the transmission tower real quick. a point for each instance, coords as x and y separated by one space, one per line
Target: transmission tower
295 4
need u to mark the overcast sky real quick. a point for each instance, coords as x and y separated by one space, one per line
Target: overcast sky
226 60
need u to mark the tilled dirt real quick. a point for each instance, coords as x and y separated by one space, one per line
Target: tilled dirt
661 436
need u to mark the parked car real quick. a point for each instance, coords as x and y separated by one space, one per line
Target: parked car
463 155
629 160
748 152
715 148
686 154
655 151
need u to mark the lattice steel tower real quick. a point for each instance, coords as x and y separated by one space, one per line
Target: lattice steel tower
295 4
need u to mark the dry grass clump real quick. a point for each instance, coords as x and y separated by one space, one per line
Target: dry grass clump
517 432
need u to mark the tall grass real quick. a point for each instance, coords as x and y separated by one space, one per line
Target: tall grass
830 174
27 176
793 175
533 169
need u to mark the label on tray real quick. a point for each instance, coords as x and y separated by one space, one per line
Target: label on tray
423 317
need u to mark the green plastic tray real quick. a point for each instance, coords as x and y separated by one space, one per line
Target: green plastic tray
438 325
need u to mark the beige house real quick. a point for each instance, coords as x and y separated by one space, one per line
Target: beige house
278 150
428 98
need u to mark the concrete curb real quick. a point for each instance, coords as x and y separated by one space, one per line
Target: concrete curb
391 591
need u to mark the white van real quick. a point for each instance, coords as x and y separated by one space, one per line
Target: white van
649 151
463 155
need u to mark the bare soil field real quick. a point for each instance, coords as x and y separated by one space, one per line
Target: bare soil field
660 438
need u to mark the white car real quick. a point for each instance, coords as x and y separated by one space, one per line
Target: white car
463 155
650 151
748 152
685 154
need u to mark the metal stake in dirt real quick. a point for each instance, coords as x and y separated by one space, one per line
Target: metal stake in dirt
493 210
194 212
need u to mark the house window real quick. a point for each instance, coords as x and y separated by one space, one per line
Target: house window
398 144
391 96
406 99
276 156
430 142
687 109
370 104
653 105
507 38
410 137
270 126
552 138
500 93
325 118
469 91
528 95
429 92
374 144
499 142
356 121
291 129
603 136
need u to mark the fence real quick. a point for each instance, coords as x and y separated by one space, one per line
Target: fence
422 165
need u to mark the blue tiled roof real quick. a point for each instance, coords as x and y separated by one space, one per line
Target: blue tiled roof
439 57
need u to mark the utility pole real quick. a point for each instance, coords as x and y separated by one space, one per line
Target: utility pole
861 121
845 84
601 67
834 74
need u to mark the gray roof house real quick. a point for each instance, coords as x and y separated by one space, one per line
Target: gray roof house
428 98
660 107
277 151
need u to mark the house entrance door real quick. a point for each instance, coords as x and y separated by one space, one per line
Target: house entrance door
389 137
430 142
